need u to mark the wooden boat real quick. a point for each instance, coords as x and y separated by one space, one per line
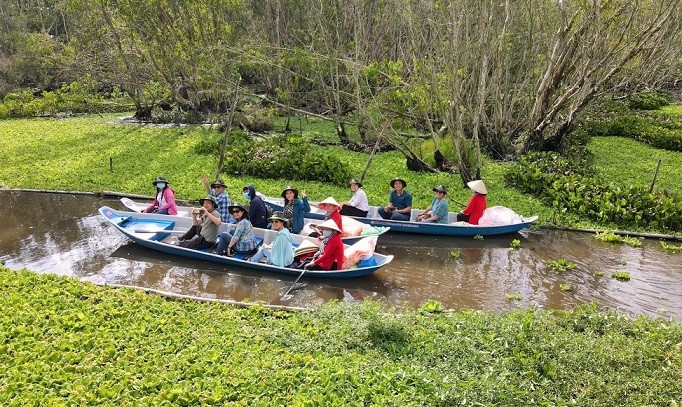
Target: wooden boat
186 211
158 231
427 228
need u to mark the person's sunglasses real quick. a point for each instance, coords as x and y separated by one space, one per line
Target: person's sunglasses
236 210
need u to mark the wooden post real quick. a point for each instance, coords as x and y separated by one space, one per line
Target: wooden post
111 164
653 181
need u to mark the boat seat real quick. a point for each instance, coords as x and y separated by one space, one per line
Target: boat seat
373 212
415 213
452 217
367 262
244 256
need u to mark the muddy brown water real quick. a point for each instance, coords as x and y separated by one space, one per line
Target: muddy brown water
64 234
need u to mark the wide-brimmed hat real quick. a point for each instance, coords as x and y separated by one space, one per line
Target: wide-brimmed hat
398 179
238 205
208 198
305 247
354 181
160 179
478 186
289 188
440 188
329 201
279 216
329 224
218 183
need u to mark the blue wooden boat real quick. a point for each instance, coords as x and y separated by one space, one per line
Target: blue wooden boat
158 231
426 228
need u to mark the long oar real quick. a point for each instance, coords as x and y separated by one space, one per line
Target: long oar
172 232
286 295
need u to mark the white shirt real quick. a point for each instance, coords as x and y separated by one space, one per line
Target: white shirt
359 200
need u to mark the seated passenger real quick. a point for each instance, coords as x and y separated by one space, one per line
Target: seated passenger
438 210
205 222
399 202
477 204
281 252
294 208
164 202
242 239
358 204
330 255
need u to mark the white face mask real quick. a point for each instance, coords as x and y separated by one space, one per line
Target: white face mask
161 185
246 195
326 233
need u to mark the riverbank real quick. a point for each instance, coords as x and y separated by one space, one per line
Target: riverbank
70 342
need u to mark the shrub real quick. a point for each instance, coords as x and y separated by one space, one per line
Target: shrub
648 101
567 187
278 157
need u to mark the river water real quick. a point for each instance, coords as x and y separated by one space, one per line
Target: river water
64 234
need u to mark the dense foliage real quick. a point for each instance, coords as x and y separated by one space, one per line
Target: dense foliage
566 186
277 155
67 342
76 97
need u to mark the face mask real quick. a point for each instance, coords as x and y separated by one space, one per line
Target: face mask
246 195
161 185
326 233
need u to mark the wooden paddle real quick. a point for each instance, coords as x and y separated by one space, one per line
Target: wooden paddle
172 232
286 295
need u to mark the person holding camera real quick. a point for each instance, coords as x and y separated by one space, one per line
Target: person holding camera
205 221
399 202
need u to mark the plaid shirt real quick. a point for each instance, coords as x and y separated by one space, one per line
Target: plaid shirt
223 206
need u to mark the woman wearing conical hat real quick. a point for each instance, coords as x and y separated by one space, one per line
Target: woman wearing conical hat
330 255
332 211
358 204
477 204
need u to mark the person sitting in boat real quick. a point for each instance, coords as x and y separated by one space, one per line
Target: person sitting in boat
281 252
242 239
258 213
358 204
399 202
332 211
164 202
294 208
218 189
330 255
477 204
438 210
205 222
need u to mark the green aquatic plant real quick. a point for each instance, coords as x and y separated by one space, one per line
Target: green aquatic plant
516 243
614 238
566 287
621 275
671 247
513 297
478 237
599 273
456 254
431 307
561 264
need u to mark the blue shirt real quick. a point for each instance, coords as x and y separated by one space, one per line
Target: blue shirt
400 201
440 209
224 203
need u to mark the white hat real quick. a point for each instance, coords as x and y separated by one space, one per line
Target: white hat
306 246
329 201
329 224
478 186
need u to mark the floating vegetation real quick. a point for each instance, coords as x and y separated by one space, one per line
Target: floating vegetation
561 265
431 307
614 238
671 247
566 287
516 243
599 273
514 297
621 275
478 237
456 254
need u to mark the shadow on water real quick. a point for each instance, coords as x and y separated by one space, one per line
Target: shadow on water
63 234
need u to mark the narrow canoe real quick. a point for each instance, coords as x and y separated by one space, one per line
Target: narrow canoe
157 231
426 228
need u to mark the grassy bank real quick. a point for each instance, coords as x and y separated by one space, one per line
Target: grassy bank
66 342
95 153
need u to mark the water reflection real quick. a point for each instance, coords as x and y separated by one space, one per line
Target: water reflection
63 234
